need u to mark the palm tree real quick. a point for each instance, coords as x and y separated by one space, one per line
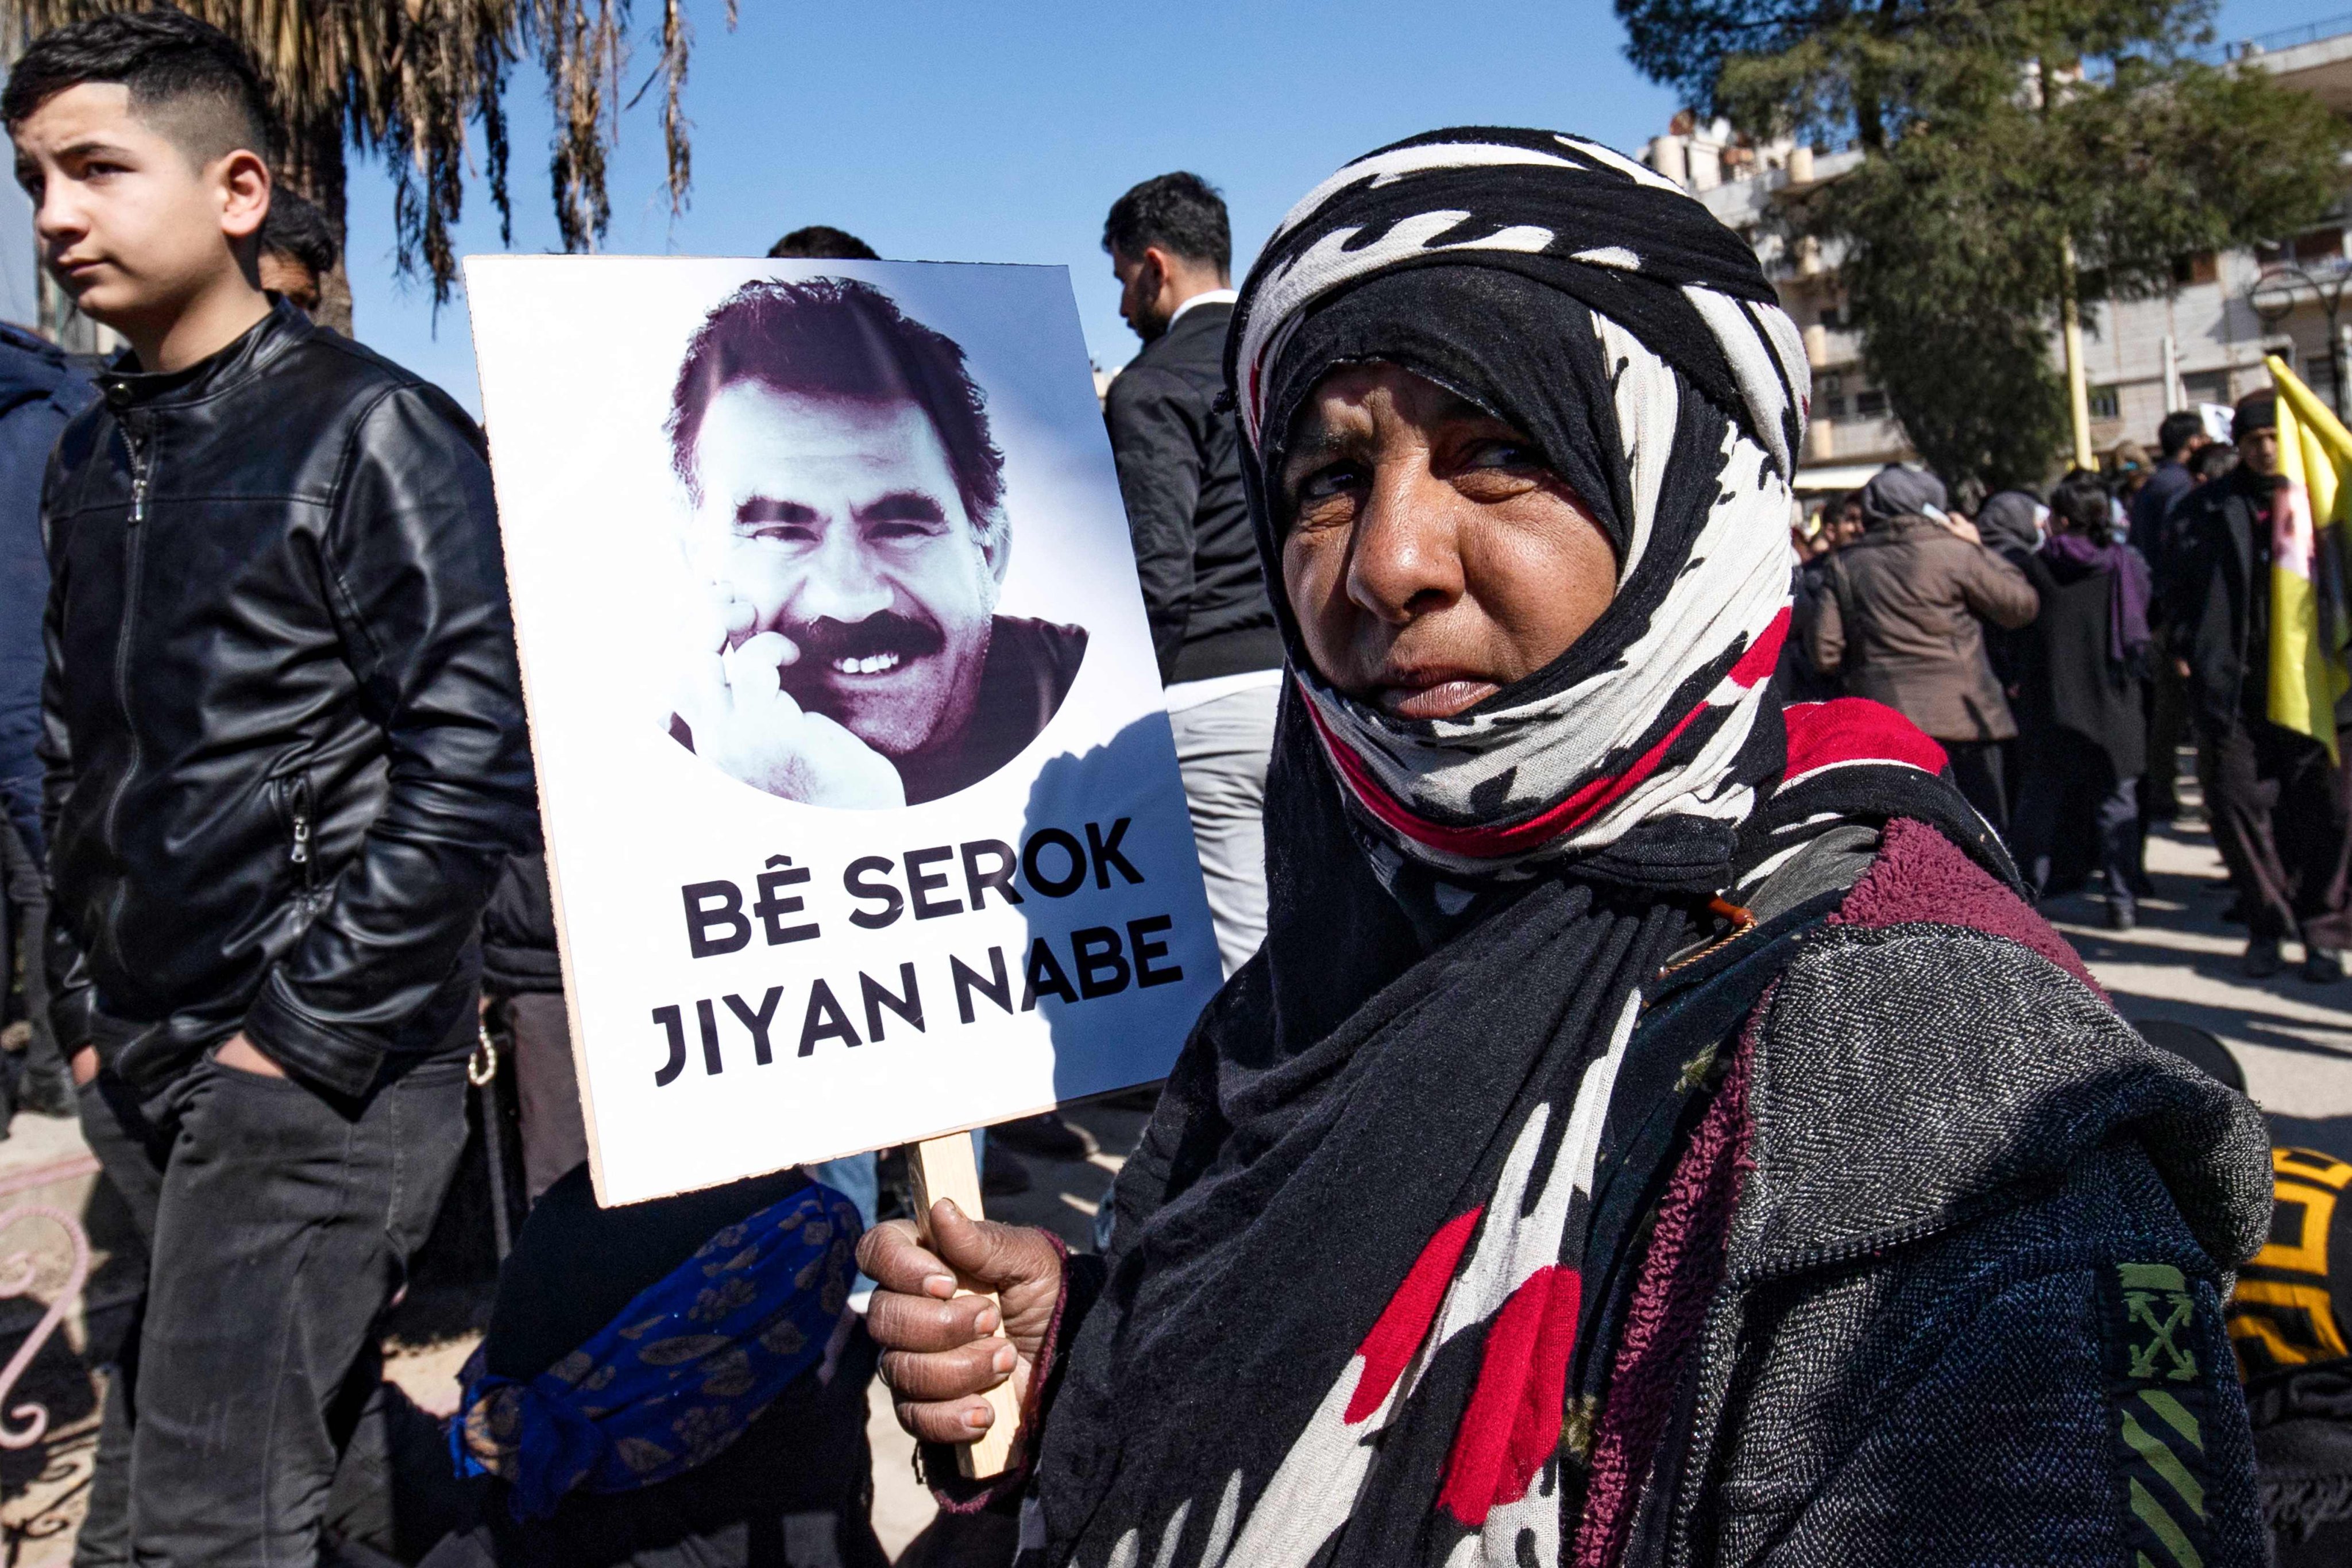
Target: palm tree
408 78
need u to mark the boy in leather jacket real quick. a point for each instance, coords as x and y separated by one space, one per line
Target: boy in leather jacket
284 758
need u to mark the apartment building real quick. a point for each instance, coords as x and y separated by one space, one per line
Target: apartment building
2201 342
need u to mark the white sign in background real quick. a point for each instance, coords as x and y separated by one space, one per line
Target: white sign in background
1108 956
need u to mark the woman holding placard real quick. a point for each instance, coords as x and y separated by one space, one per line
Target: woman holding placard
1655 1130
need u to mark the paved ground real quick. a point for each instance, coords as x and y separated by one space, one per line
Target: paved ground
2294 1040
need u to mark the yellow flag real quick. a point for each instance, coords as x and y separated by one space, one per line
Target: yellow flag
2308 669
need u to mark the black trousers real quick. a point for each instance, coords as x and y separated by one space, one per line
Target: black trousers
554 1134
1977 771
278 1226
24 933
2282 816
2071 788
2167 728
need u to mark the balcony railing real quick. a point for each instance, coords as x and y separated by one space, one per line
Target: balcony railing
2283 38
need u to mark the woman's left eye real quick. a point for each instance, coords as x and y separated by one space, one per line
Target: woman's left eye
1501 455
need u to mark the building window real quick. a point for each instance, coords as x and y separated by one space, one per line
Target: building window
2313 365
1871 404
1833 318
2207 386
2203 268
2105 403
2320 250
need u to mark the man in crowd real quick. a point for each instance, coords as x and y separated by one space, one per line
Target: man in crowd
823 242
1220 655
2280 807
847 519
1840 525
2178 439
297 250
1902 620
39 391
285 756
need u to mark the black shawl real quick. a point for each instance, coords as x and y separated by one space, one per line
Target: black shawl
1350 1296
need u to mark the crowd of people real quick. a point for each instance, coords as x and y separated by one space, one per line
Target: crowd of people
2062 647
1645 1120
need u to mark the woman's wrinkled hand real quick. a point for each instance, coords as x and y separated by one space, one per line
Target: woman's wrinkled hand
942 1351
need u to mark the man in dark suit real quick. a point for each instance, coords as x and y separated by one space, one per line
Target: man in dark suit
1219 654
2279 804
2153 522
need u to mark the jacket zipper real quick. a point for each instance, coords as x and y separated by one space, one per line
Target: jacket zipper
300 853
132 554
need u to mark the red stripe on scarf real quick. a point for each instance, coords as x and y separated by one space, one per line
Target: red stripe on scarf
1763 655
1854 729
1598 794
1513 1423
1404 1322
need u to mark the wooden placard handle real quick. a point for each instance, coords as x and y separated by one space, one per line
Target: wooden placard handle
944 1168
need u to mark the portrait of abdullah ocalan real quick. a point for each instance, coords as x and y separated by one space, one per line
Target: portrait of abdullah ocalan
844 527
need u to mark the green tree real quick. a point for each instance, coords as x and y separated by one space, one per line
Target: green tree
413 80
1995 132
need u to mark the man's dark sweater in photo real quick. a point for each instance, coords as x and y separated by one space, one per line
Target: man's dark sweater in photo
1180 474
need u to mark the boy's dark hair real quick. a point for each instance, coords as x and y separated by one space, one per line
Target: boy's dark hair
297 230
2177 430
823 242
2081 499
836 337
194 82
1180 212
2213 460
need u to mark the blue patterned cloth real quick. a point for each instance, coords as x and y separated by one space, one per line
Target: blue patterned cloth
674 1379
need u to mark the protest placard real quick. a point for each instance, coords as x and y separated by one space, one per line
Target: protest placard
862 810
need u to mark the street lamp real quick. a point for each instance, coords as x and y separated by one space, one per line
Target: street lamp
2274 296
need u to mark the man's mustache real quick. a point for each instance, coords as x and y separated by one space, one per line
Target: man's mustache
824 639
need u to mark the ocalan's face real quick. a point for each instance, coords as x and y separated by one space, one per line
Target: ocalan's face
838 523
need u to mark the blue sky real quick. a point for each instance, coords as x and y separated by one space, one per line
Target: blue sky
1003 133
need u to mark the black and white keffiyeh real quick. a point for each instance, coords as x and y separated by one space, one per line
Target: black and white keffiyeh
1365 1258
1637 343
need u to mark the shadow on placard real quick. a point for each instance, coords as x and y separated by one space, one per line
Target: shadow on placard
1120 778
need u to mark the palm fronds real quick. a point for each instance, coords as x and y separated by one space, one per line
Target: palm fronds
411 78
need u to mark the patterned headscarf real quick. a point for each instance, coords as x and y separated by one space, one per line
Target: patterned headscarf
1633 339
1899 490
669 1384
1423 1090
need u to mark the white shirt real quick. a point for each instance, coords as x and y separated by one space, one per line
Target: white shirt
1213 297
1183 694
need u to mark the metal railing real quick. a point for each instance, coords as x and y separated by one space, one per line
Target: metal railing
2285 37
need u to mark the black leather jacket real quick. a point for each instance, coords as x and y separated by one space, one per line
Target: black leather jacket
282 730
1180 474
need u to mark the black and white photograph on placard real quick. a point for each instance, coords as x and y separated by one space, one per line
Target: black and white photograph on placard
862 810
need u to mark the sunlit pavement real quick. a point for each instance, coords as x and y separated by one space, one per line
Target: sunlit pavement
2293 1039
